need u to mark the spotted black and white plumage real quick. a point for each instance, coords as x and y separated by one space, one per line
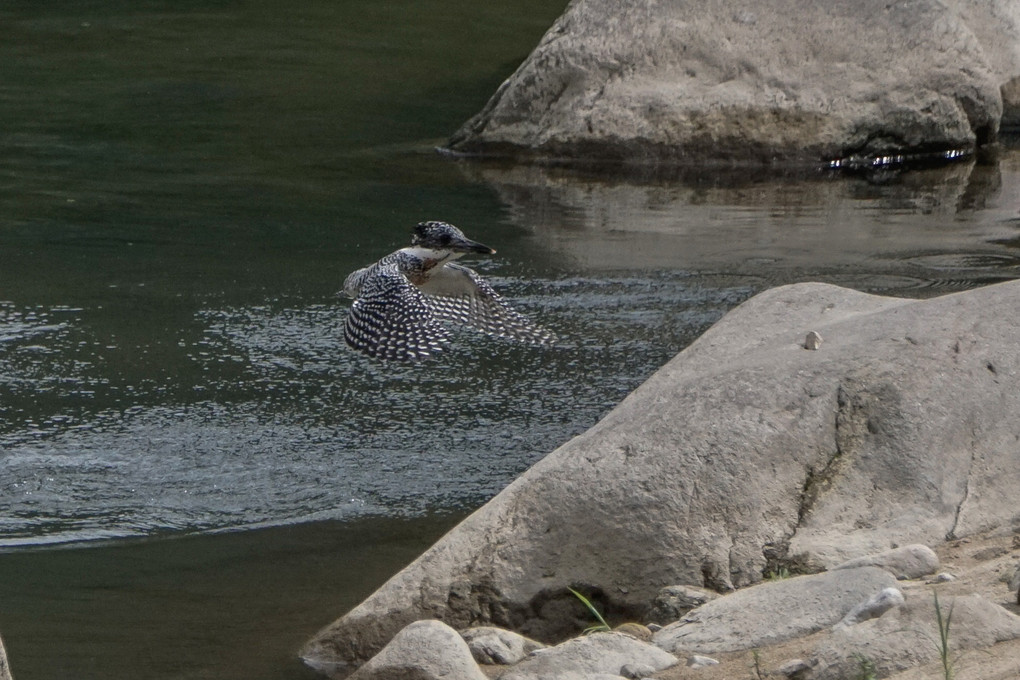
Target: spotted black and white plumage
404 303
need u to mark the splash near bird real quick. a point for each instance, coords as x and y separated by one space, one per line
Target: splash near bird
405 302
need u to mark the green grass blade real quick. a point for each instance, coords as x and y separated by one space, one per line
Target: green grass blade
603 626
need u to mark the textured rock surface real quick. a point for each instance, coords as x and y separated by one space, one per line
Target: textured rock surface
5 668
589 655
980 563
772 612
996 25
744 453
672 602
906 636
424 650
910 561
490 645
876 606
654 80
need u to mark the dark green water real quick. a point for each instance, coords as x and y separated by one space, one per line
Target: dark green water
184 187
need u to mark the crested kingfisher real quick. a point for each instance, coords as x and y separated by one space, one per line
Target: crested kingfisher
404 302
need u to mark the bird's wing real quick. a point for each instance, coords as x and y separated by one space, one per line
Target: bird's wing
391 320
457 294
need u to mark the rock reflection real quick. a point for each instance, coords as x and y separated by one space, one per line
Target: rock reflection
818 224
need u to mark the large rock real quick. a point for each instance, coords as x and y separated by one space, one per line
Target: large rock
491 645
744 454
655 80
590 655
424 650
911 561
5 668
773 612
908 636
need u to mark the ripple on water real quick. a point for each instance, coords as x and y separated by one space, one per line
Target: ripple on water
274 420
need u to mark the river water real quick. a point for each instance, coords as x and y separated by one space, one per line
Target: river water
195 472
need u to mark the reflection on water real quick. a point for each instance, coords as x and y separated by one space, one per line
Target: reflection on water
184 187
285 424
941 227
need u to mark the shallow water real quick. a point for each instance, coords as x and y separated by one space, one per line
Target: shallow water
183 188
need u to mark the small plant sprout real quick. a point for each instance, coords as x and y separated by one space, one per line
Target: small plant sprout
601 626
759 672
865 668
943 643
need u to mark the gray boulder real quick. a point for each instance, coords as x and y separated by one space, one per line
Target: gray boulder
644 81
491 645
424 650
744 453
908 636
772 612
699 661
5 668
910 561
590 655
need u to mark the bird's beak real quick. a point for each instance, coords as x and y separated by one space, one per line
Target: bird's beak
469 246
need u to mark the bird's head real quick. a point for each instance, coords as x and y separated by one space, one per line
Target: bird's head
444 236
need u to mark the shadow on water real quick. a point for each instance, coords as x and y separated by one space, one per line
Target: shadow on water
211 606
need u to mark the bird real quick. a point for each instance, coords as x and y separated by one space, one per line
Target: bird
405 304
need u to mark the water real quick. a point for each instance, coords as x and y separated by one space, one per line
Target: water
184 187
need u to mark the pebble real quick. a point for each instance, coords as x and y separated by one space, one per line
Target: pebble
635 630
813 340
636 671
942 577
698 661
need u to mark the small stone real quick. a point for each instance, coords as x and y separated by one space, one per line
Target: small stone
873 608
698 661
636 671
654 627
813 340
943 577
635 630
1014 580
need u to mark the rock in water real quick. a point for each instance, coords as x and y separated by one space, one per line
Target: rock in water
5 668
742 453
652 81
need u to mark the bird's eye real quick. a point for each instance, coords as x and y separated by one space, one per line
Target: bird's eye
444 239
